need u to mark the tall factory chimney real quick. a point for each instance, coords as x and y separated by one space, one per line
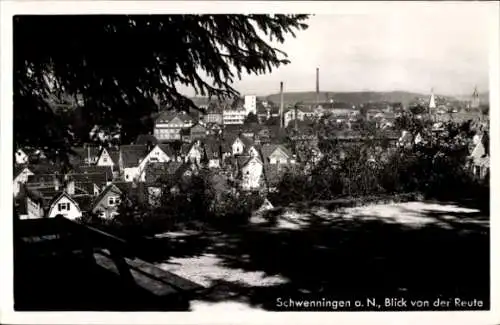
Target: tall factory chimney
317 86
281 104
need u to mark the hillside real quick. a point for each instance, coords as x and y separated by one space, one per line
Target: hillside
483 97
355 98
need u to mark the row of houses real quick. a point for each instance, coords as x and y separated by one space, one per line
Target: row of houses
100 177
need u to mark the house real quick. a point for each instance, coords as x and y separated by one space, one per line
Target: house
21 175
480 159
36 202
253 150
213 115
88 183
161 153
234 116
240 145
106 204
96 170
21 157
302 114
213 129
44 180
130 159
213 152
109 157
266 206
198 132
49 202
250 172
276 154
193 153
29 155
64 205
169 124
84 155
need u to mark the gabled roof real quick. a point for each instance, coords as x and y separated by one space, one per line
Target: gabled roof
84 202
167 149
96 178
84 188
268 149
19 169
167 116
242 161
479 151
212 147
111 187
114 154
132 155
145 139
43 178
41 195
247 142
198 126
96 170
185 148
58 197
84 152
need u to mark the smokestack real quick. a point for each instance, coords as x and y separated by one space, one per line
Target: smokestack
317 86
281 104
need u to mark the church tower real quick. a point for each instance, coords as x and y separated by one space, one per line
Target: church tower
475 99
432 104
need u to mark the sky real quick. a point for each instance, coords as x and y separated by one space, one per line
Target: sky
447 51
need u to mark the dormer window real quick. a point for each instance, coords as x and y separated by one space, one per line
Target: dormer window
113 200
63 206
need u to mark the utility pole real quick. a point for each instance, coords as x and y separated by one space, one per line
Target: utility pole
281 104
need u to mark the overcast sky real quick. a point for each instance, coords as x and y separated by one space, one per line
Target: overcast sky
444 50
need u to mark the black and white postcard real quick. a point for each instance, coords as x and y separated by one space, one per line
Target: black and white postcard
218 162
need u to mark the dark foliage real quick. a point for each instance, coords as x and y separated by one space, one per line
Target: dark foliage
251 118
435 166
116 68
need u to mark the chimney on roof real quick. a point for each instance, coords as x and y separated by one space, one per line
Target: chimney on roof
281 104
317 86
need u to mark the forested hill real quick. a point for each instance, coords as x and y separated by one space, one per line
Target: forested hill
347 97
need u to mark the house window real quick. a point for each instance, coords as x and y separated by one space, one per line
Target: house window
112 201
63 206
105 159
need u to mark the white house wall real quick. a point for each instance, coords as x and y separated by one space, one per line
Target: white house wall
73 213
129 174
22 178
21 157
251 175
237 147
105 159
34 210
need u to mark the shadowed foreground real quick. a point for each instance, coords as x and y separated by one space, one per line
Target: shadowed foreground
76 268
413 251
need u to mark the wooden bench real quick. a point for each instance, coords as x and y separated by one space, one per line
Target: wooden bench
113 254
